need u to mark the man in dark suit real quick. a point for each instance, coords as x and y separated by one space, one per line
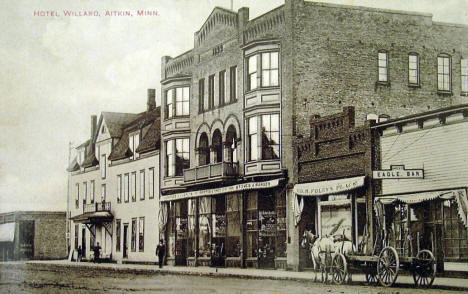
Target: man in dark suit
161 252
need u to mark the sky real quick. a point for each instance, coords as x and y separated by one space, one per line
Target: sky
56 71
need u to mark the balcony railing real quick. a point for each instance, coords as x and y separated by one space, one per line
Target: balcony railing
98 206
213 171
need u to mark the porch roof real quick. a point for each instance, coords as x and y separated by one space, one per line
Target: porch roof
93 217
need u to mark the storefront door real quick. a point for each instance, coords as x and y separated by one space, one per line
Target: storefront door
125 241
181 241
83 241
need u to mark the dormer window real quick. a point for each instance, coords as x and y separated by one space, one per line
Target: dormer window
133 142
103 129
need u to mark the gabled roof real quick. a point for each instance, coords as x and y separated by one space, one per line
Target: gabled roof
121 150
116 121
86 143
74 166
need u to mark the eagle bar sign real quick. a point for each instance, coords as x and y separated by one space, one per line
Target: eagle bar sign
398 172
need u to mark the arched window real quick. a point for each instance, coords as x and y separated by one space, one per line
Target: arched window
231 144
218 146
203 150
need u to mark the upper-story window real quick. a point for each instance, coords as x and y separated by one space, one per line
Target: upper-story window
142 185
252 73
133 186
85 192
177 156
92 191
103 192
119 188
443 73
270 136
383 66
233 83
270 69
464 76
151 183
211 91
126 186
177 101
413 69
222 88
77 196
252 152
133 142
103 166
201 95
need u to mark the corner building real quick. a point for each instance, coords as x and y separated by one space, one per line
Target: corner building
233 106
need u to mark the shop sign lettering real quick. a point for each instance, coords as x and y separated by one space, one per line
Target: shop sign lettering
328 187
398 172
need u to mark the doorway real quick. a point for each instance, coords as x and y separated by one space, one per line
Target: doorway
83 242
125 241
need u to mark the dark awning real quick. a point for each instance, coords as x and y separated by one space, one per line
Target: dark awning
93 217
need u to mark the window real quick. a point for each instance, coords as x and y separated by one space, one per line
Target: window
119 188
169 103
151 183
92 191
85 193
270 69
182 156
142 185
252 139
203 150
464 76
443 73
383 67
270 136
134 234
170 171
141 234
413 69
118 225
252 73
76 236
217 144
103 192
222 87
233 84
211 92
182 101
133 186
126 187
133 142
103 166
201 95
77 196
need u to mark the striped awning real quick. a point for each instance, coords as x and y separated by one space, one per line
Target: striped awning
7 232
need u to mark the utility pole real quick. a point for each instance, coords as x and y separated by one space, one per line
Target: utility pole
68 199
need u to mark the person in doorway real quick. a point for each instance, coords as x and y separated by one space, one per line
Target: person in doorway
161 252
97 252
80 254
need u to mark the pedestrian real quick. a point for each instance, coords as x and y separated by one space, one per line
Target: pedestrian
161 252
97 252
80 254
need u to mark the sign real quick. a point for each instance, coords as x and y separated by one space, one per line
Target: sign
329 187
267 220
222 190
398 172
219 225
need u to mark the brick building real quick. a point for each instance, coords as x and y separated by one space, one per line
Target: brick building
32 235
233 105
114 187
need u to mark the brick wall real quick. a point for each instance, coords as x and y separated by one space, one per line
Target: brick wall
49 238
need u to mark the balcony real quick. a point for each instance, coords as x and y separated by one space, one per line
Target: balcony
210 172
98 206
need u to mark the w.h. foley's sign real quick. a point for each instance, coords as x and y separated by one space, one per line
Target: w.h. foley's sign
329 187
222 190
398 172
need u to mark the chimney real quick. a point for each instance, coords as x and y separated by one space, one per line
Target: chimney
93 126
243 17
151 104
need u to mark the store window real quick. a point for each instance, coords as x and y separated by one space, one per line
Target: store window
118 228
141 234
76 236
270 136
233 228
383 66
192 214
134 234
455 238
281 225
181 231
270 69
218 246
252 225
252 144
443 73
413 69
204 223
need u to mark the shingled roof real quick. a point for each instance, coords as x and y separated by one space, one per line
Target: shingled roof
74 166
116 122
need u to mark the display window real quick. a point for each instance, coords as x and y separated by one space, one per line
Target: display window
233 225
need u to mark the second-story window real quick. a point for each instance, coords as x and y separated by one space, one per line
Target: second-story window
443 73
142 185
413 69
383 66
77 196
170 165
103 192
201 95
92 191
182 97
211 92
252 73
85 192
233 84
182 156
126 186
270 136
151 183
133 186
464 76
169 103
252 139
119 188
222 88
133 142
103 166
270 69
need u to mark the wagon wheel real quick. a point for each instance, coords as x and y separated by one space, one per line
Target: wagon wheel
424 268
388 266
339 269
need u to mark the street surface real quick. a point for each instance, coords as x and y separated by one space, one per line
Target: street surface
27 279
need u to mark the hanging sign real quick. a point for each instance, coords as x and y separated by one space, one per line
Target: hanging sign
398 172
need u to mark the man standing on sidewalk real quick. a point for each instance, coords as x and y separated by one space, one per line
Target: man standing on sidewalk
160 252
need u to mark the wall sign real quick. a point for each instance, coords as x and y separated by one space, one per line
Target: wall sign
328 187
398 172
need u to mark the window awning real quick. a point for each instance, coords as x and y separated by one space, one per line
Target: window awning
458 194
222 190
7 232
329 187
93 217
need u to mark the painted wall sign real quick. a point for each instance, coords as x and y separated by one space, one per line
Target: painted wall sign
329 187
398 172
222 190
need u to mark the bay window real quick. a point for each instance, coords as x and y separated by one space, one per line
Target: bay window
270 136
252 139
177 102
177 156
270 69
169 103
252 73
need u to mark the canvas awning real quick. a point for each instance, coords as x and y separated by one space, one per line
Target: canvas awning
7 232
458 194
329 187
93 217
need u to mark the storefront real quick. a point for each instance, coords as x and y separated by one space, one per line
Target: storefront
233 226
